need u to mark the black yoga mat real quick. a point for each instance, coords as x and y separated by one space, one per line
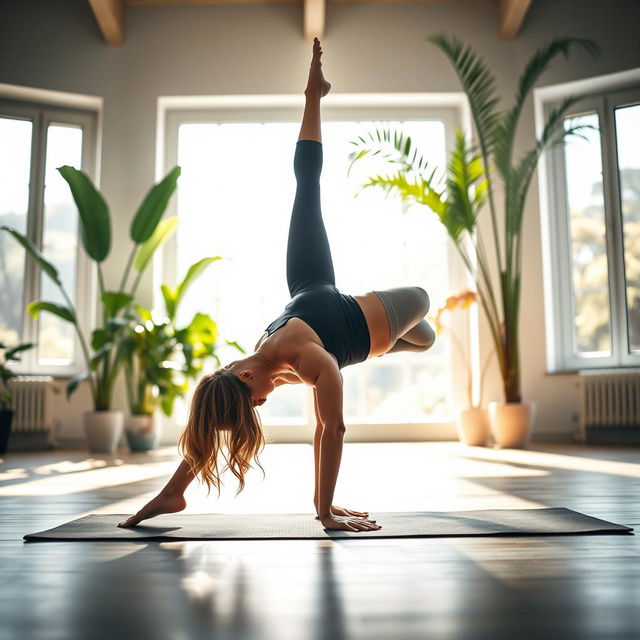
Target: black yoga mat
260 526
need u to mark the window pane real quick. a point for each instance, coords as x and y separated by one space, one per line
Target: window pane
59 242
628 140
235 200
15 161
585 200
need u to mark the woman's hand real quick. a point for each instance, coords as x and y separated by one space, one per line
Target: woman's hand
339 511
162 503
349 523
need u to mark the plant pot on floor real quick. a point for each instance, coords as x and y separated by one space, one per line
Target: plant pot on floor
142 432
511 423
472 425
103 430
6 417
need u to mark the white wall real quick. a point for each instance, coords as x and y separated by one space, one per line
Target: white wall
259 49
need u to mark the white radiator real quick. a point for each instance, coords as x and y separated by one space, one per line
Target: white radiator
32 403
609 400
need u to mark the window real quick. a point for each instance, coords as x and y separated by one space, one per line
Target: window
36 201
594 234
234 199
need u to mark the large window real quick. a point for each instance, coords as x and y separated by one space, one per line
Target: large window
235 198
595 235
35 200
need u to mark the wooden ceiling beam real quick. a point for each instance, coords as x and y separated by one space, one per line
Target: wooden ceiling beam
314 18
110 18
512 14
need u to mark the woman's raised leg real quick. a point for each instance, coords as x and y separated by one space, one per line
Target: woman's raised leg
308 252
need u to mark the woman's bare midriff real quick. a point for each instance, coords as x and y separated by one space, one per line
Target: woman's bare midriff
378 323
296 330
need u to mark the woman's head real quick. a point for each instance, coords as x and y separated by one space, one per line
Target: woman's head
222 414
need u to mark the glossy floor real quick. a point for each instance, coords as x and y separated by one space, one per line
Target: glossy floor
390 589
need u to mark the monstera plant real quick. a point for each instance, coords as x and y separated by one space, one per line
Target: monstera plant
477 178
147 232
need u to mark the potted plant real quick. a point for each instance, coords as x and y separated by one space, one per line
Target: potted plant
470 181
103 426
472 421
160 359
9 354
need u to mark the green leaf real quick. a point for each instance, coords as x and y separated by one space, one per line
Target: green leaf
153 206
478 83
75 383
95 223
146 250
194 272
114 301
170 296
233 343
45 265
34 308
11 353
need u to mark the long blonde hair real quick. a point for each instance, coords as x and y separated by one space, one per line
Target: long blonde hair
221 417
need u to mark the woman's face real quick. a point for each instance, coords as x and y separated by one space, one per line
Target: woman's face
261 384
261 387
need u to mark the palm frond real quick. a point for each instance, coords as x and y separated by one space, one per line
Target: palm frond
537 65
393 146
410 189
478 83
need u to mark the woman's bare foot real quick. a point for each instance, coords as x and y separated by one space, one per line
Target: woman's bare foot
162 503
316 84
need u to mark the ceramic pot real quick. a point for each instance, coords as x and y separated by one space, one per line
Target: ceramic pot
473 426
103 430
6 417
142 432
511 423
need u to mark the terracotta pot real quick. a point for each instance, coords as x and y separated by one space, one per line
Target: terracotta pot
473 426
511 423
142 432
103 430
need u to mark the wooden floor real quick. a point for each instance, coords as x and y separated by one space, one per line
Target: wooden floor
388 589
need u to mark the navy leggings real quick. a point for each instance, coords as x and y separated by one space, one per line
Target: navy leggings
309 257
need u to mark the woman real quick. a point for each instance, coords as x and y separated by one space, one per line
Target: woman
320 331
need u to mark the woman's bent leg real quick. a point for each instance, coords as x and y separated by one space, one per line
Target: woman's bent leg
406 308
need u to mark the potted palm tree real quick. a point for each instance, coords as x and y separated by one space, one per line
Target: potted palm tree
9 354
103 426
470 181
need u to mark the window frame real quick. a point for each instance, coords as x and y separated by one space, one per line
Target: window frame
601 100
452 109
42 115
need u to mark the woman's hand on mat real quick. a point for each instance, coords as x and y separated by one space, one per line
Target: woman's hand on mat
349 523
340 511
162 503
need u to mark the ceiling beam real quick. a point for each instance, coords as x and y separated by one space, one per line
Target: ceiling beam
110 18
512 14
314 18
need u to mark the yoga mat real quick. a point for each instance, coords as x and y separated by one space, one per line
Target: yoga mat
260 526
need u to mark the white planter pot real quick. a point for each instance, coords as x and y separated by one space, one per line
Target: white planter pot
511 423
103 430
142 432
473 426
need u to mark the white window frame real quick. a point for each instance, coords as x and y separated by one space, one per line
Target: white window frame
451 108
600 95
43 108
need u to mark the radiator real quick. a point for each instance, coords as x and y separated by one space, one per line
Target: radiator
33 404
610 406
